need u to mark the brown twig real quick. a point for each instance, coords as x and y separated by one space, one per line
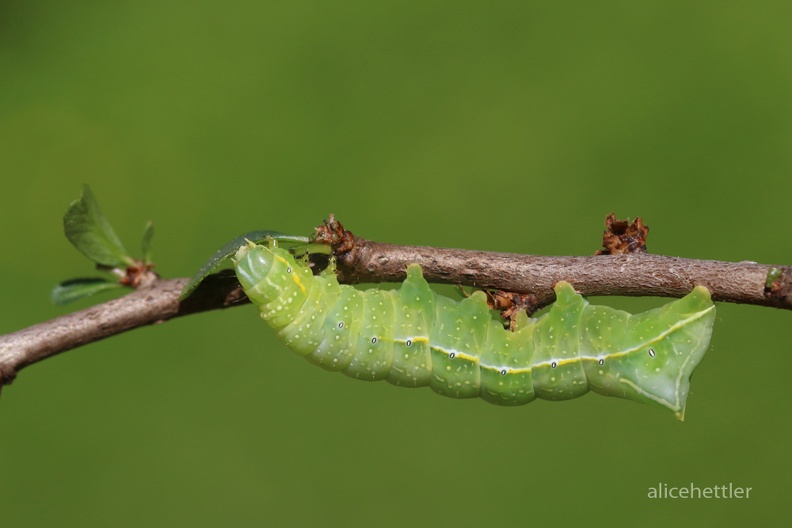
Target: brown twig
155 303
628 274
366 261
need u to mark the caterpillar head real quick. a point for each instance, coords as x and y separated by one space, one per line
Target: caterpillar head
267 273
253 263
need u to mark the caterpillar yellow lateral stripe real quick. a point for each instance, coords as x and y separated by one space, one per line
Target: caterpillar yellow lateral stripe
413 337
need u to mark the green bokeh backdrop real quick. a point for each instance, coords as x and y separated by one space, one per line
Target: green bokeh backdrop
506 126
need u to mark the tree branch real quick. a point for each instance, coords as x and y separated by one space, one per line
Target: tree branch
631 274
365 261
154 303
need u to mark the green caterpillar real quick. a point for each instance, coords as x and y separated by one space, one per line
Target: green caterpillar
413 337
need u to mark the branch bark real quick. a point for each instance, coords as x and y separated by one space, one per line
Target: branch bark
631 274
367 261
154 303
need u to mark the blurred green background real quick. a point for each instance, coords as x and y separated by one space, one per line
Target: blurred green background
505 126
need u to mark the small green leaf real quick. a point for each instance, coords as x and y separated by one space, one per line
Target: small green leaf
145 245
223 254
89 231
75 289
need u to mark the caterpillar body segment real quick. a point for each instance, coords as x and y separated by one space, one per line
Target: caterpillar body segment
413 337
